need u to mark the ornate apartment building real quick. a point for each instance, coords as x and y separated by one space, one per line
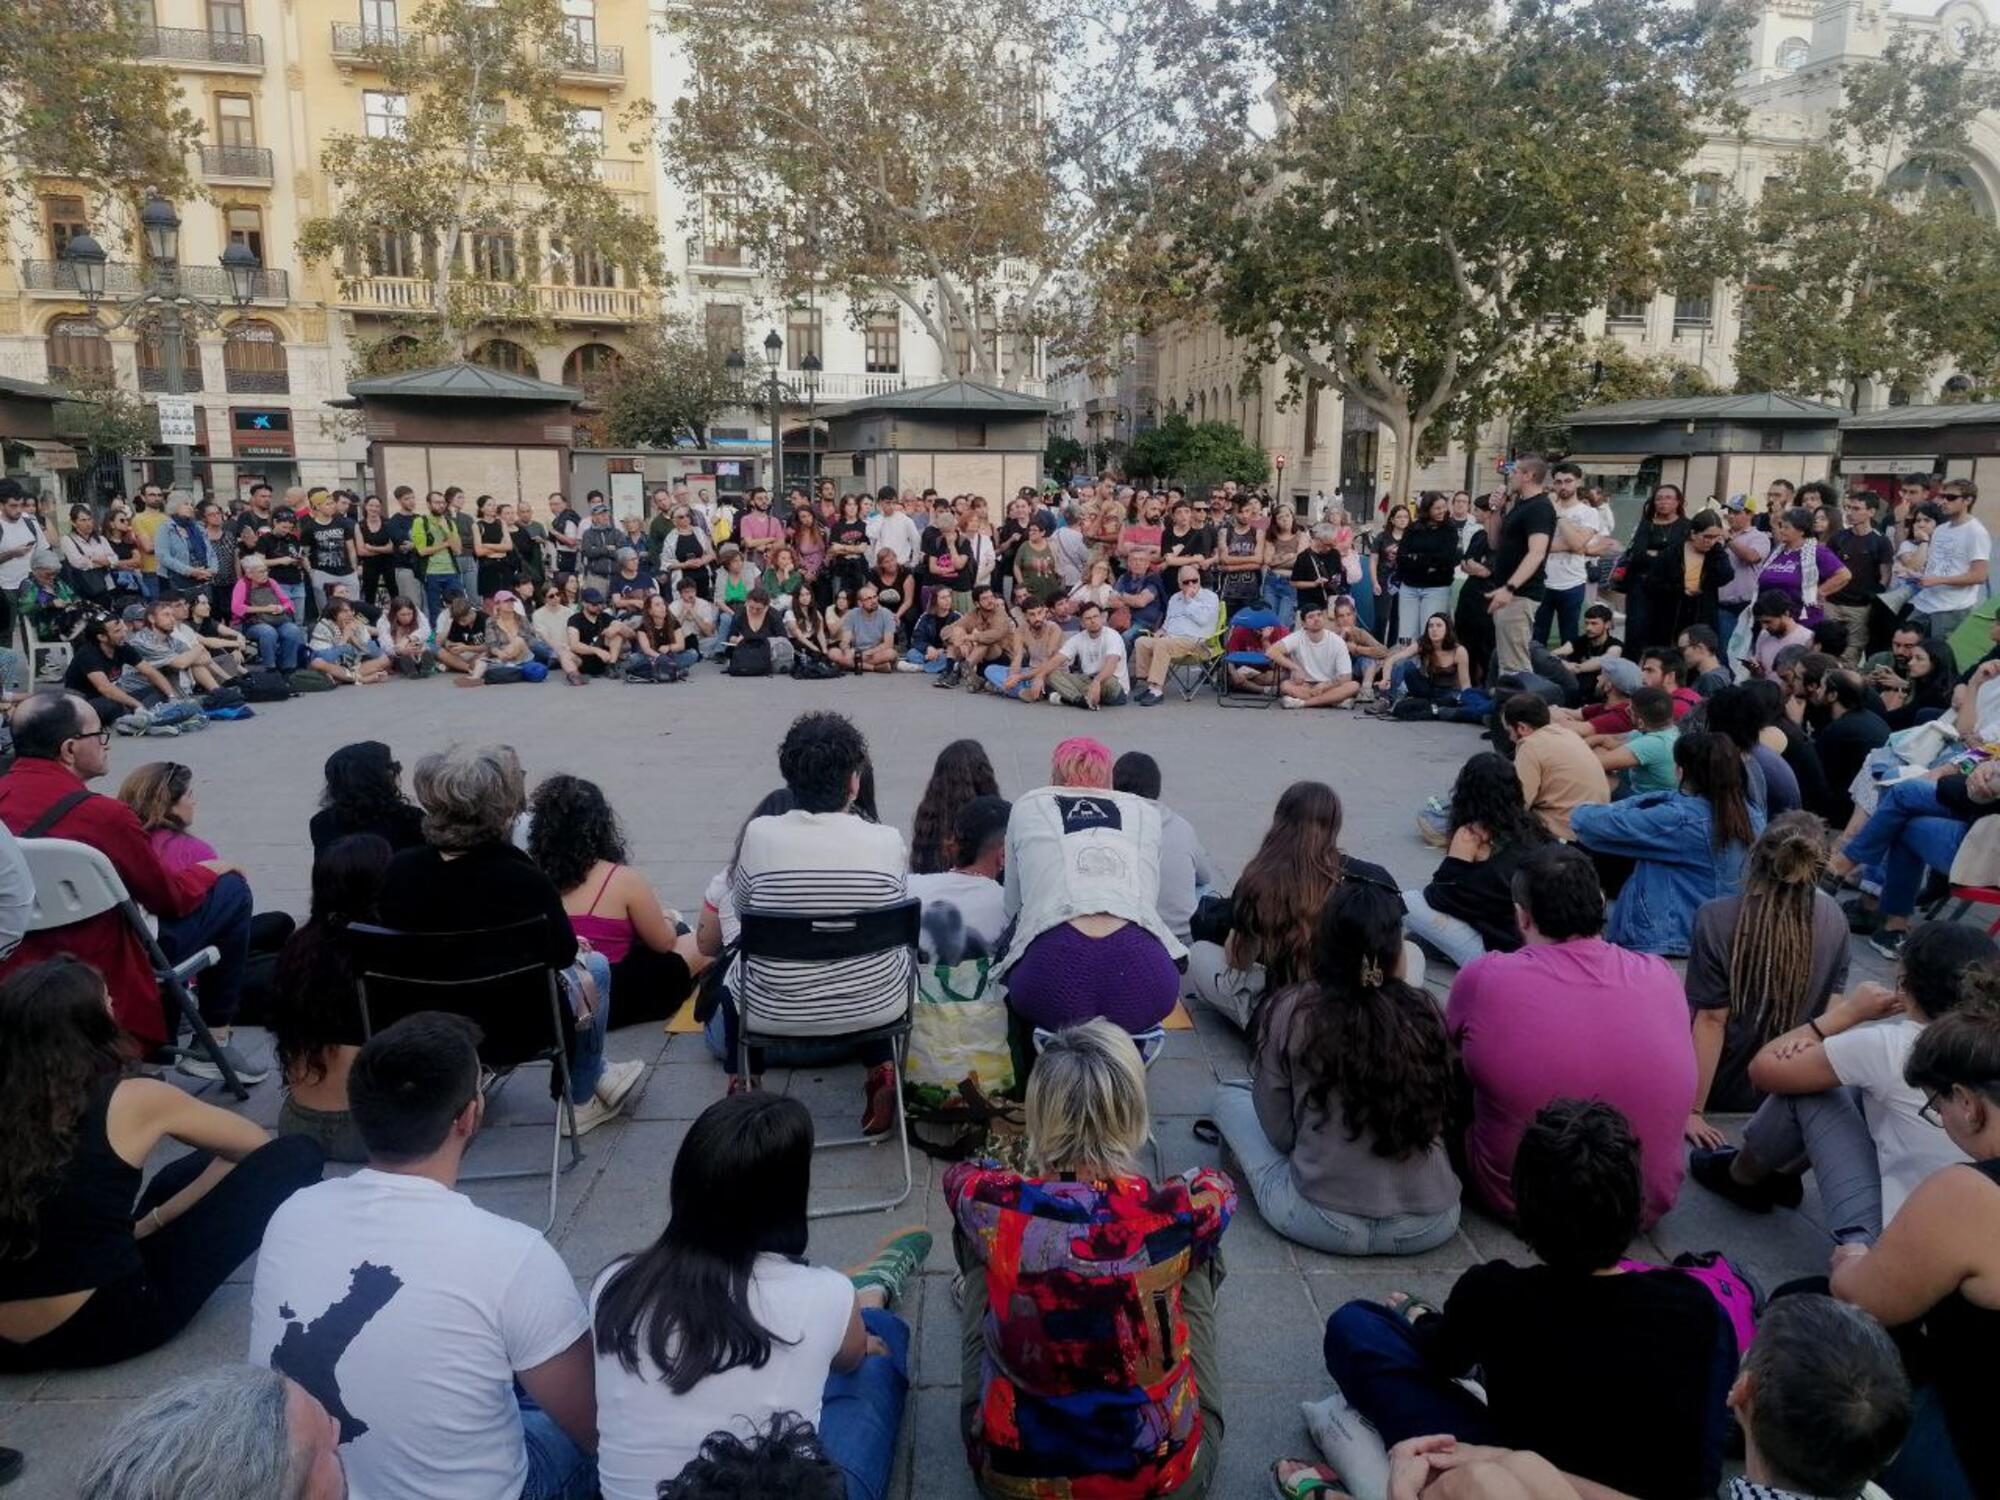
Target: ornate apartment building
1799 50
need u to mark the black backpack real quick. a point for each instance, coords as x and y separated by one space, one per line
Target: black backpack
265 687
750 658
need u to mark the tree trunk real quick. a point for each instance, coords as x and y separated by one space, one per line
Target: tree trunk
1403 462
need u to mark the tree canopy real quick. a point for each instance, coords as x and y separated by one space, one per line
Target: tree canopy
954 156
76 103
1195 454
483 148
1569 377
1449 188
668 388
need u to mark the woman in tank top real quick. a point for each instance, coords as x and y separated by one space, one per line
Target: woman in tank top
92 1270
574 836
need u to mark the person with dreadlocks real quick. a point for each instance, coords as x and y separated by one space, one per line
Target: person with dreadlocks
1760 964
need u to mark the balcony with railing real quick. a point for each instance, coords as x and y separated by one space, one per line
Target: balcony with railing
355 44
705 255
589 63
124 278
256 382
192 48
566 304
236 163
154 378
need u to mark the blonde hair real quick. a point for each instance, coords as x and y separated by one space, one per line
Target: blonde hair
1771 951
1086 1110
470 796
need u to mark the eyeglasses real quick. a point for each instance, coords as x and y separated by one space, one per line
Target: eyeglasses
1929 1112
102 736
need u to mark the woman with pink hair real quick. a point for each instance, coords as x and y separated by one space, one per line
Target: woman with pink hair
1083 875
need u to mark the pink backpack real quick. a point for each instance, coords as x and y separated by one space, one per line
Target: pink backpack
1739 1297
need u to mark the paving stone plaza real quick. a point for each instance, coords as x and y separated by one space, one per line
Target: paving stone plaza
682 765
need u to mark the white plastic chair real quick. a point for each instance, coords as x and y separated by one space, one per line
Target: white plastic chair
73 883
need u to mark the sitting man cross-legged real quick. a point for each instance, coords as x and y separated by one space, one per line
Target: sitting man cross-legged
1318 672
449 1344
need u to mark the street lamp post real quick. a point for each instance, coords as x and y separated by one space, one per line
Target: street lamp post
774 348
812 366
161 301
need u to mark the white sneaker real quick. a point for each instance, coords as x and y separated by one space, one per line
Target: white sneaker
908 666
618 1082
1290 702
590 1114
1057 699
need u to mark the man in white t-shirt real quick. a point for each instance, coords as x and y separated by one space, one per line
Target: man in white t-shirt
410 1313
1090 669
891 528
1955 572
20 535
1564 580
1318 671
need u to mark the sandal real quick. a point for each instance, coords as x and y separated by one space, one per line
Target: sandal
1206 1131
1295 1479
1412 1308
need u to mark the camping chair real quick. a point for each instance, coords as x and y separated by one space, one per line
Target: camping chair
783 937
1226 691
1151 1043
47 659
1975 873
500 980
1192 676
73 883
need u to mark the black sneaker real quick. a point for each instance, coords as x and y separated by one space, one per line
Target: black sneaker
1711 1170
1862 919
1888 943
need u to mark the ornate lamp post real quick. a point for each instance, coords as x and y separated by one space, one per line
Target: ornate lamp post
812 366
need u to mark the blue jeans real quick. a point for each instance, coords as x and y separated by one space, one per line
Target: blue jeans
1909 832
1565 608
557 1468
716 645
861 1411
1414 606
279 647
915 658
1374 1361
1726 616
436 586
149 586
586 1063
1457 940
997 674
222 919
468 575
296 592
1927 1467
1284 598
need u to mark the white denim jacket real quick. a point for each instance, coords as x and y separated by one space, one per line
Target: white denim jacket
1078 852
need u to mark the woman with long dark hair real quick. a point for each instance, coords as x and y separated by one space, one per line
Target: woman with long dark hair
962 771
1685 847
1468 908
92 1270
1684 584
1662 528
1761 964
376 548
315 1012
1426 562
1384 575
1276 904
363 795
1340 1129
1933 674
576 838
720 1323
1433 666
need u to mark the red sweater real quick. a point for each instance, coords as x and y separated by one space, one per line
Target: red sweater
106 941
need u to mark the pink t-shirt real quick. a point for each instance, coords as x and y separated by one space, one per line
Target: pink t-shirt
1585 1020
177 850
760 526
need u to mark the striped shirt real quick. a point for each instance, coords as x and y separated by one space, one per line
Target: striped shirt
813 864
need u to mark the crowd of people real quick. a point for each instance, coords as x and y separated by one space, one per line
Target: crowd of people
1506 1035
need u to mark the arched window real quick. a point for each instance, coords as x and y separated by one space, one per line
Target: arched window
504 354
78 352
1792 53
589 365
253 360
153 362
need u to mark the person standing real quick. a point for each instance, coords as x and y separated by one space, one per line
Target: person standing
1868 557
1521 536
1579 538
434 542
20 536
332 555
408 567
1954 578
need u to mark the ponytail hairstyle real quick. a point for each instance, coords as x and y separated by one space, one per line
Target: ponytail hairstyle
1771 951
312 986
1363 1033
1711 770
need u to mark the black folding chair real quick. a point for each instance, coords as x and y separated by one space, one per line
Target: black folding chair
498 978
770 937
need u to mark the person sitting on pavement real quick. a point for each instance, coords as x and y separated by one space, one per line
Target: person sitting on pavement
1340 1130
595 643
264 611
449 1343
979 639
1034 641
96 1270
363 795
867 640
1557 771
929 651
1112 1277
1836 1098
1642 758
1467 909
1749 721
235 1432
470 876
1316 670
59 747
1366 653
1917 825
1937 1260
1187 633
1570 1013
342 646
1186 872
1083 880
1617 1376
106 670
1674 850
1761 964
720 1324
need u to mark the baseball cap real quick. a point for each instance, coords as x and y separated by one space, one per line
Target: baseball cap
591 596
132 614
1622 673
600 506
1737 502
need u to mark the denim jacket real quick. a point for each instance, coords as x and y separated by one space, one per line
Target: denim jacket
1671 836
1078 852
176 553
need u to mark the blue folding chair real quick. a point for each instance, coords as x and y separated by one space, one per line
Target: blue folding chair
1226 691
